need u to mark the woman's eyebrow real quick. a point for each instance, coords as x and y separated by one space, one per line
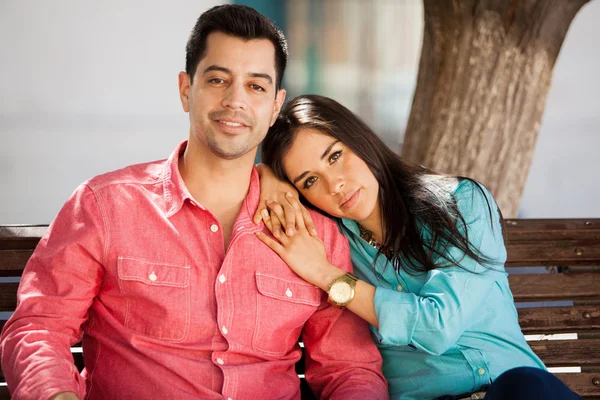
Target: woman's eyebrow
302 175
328 149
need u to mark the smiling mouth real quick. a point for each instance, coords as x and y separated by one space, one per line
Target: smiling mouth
348 199
230 123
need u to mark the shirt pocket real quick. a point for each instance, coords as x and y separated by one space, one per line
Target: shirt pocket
157 297
282 308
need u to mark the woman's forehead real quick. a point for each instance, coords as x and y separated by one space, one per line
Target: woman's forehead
311 137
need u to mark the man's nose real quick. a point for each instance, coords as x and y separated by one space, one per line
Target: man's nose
235 97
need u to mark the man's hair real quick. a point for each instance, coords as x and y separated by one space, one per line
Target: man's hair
239 21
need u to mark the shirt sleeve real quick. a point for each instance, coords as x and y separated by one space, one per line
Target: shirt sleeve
342 360
57 288
435 318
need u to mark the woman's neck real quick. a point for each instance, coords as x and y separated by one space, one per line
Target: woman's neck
373 224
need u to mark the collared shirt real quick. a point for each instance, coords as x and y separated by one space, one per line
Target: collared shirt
450 330
138 267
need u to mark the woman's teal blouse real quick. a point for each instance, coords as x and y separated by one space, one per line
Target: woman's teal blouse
451 330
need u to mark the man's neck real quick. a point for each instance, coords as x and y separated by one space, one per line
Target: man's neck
219 185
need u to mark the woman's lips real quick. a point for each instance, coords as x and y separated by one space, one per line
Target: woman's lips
351 201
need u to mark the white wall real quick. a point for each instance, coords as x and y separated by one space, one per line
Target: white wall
87 87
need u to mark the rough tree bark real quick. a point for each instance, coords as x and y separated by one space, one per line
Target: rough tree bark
484 73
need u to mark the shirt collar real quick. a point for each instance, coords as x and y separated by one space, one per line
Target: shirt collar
351 225
176 192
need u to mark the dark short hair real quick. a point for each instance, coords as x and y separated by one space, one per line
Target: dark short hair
240 21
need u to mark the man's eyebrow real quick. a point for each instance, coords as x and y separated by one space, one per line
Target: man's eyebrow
260 75
216 68
327 150
267 77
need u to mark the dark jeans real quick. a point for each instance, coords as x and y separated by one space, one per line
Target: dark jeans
531 384
525 383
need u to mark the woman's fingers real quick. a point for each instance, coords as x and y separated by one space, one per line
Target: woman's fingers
308 222
267 219
258 215
303 219
272 243
276 216
289 218
295 204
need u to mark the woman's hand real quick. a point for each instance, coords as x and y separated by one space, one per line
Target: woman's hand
305 255
303 252
275 190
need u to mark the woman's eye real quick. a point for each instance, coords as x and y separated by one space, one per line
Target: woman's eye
334 156
309 182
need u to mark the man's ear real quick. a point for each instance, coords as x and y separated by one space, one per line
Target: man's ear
184 90
279 99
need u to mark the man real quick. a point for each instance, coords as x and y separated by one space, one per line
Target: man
159 268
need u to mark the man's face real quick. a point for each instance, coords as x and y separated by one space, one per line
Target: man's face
233 101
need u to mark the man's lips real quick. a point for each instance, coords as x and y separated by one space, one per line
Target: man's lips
231 119
231 122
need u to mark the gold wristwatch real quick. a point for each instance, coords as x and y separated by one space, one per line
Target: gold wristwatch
341 290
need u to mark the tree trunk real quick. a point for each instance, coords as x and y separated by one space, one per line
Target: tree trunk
484 74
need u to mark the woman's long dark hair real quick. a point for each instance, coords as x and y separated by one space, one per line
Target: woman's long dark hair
409 198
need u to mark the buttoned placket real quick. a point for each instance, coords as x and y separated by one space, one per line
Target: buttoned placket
225 301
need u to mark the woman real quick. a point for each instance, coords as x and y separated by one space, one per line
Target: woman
427 250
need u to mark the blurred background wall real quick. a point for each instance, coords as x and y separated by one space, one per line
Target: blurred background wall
88 87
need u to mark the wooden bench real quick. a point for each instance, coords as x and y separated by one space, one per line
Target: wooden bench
554 273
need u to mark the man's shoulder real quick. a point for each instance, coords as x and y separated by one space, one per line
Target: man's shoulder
137 174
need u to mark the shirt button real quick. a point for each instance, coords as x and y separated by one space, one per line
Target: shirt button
399 288
214 228
152 276
222 279
224 330
481 371
288 293
220 362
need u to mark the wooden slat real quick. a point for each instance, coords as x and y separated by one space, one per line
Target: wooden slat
584 384
12 262
14 237
559 319
556 353
8 296
520 230
533 287
4 393
555 252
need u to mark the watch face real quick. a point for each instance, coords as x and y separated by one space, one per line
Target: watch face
340 292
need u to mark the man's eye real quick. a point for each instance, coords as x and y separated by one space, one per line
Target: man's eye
309 182
335 156
216 81
257 88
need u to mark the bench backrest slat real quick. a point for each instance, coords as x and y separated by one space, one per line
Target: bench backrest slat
556 287
568 352
550 320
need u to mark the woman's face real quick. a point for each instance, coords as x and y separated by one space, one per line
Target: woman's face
331 176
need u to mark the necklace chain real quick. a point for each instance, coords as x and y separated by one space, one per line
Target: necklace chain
368 237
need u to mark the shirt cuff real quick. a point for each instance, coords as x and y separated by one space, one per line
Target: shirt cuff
397 313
